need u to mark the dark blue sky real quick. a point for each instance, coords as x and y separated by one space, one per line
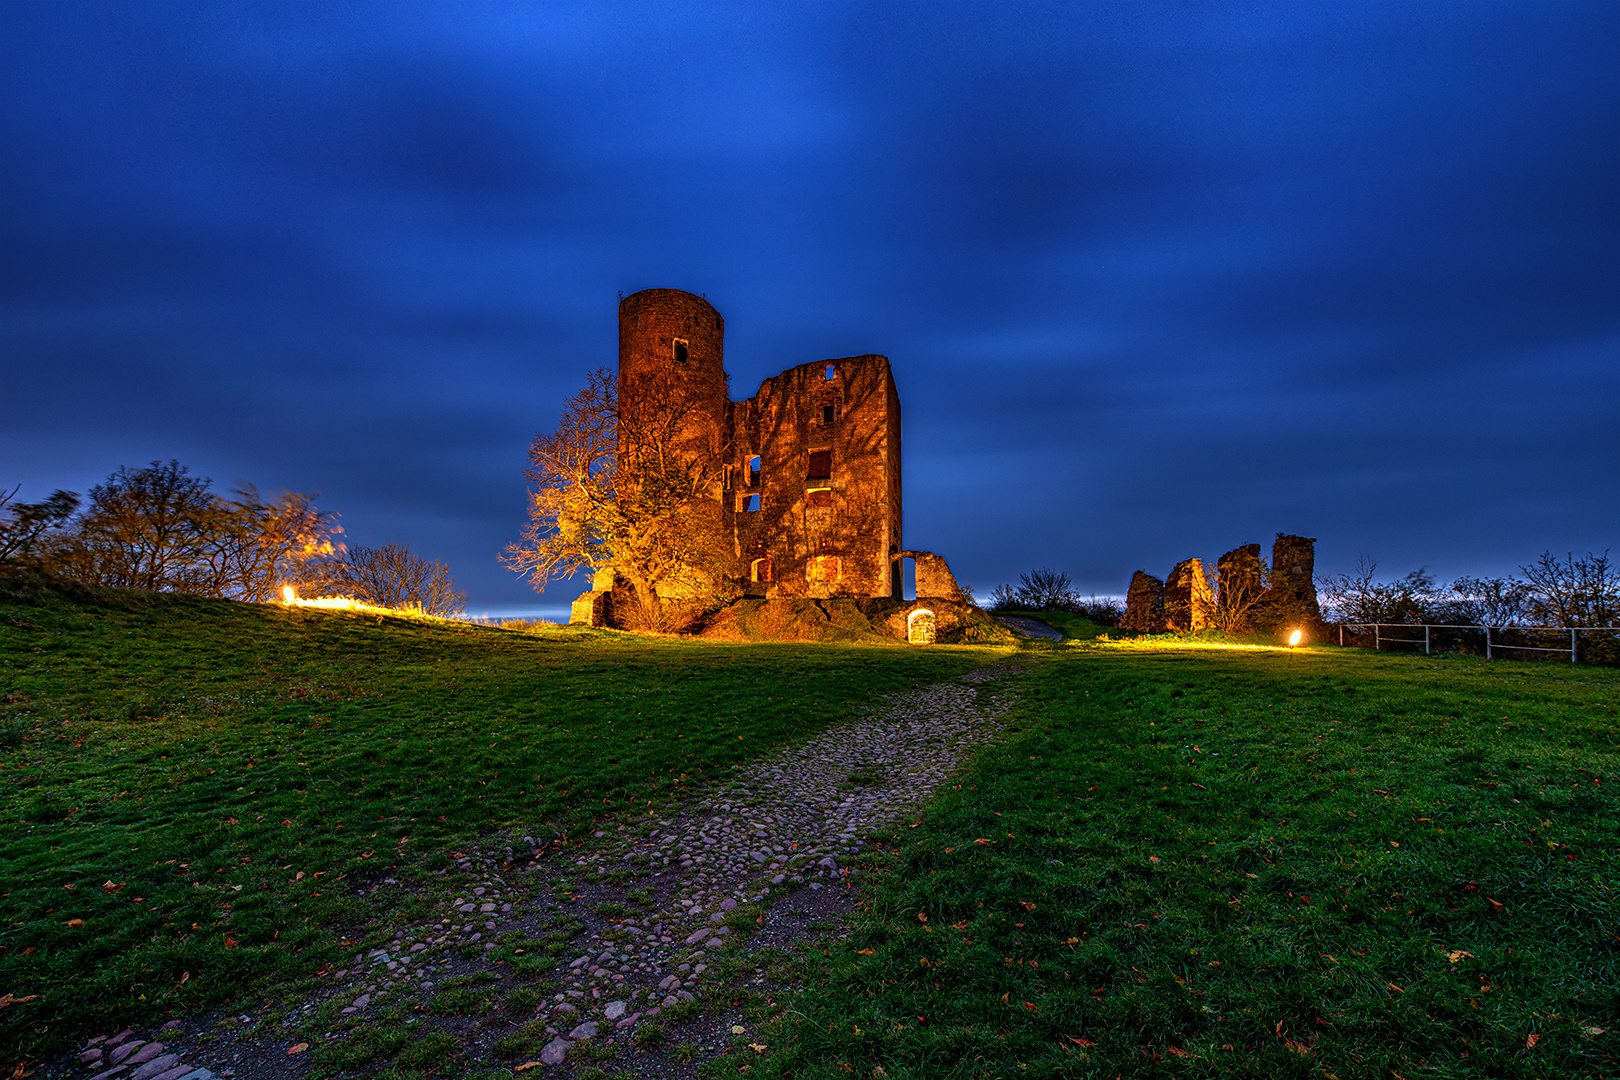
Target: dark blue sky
1156 278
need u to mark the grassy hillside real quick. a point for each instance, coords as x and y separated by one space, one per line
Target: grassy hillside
193 793
1248 862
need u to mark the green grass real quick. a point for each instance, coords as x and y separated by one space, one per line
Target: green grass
1243 862
197 793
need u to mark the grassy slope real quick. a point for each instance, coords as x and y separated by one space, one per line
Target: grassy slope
1228 862
234 773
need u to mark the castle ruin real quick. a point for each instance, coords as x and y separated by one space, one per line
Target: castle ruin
806 473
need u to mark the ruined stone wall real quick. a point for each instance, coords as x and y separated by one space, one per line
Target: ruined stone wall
934 578
818 517
1293 569
803 478
1238 575
1188 601
1144 604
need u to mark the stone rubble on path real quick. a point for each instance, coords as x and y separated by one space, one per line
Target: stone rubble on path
784 822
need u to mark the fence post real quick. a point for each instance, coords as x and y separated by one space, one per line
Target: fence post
1377 641
1572 645
1341 635
1487 643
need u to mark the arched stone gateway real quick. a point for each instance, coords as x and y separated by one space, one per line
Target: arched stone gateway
920 627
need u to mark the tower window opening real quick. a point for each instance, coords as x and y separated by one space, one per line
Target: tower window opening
818 464
750 503
760 569
681 351
753 470
818 496
828 414
831 373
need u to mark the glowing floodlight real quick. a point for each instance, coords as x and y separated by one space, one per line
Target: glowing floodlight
287 595
1293 639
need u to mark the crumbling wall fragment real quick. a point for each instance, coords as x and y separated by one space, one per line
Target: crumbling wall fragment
1293 566
1239 576
1189 602
1144 604
934 578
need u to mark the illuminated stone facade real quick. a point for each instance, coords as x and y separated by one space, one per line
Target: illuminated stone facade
805 473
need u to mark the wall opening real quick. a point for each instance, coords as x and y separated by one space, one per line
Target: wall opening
831 373
750 502
905 579
760 569
753 471
725 478
829 414
920 627
681 351
818 464
818 496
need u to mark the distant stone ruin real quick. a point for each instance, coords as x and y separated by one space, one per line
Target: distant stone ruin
1144 604
1239 577
1188 601
1293 569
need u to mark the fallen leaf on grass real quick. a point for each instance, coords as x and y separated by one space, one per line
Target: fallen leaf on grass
736 1029
527 1065
1176 1051
1531 1040
758 1048
963 925
1593 1032
297 1049
1459 954
864 952
8 999
1496 905
112 886
1031 1006
75 923
1299 1048
982 840
1080 1041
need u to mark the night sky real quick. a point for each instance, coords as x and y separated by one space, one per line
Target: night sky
1156 279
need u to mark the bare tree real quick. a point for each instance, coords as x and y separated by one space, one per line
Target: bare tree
150 528
1360 598
392 576
272 543
1491 601
624 487
1571 591
24 526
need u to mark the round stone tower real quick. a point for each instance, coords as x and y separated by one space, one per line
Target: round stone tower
671 353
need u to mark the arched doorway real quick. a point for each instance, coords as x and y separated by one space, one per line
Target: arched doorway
920 627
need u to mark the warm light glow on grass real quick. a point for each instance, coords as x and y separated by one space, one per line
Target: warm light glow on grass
1293 639
289 596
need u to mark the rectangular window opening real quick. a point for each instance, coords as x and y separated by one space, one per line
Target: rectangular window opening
681 351
818 496
753 470
750 503
831 373
818 464
828 415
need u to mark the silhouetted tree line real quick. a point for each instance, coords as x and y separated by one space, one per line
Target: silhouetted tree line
1551 591
1050 590
160 529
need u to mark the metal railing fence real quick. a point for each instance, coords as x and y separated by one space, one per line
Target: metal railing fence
1494 636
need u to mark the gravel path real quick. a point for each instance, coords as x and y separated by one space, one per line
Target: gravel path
786 822
1029 627
777 839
